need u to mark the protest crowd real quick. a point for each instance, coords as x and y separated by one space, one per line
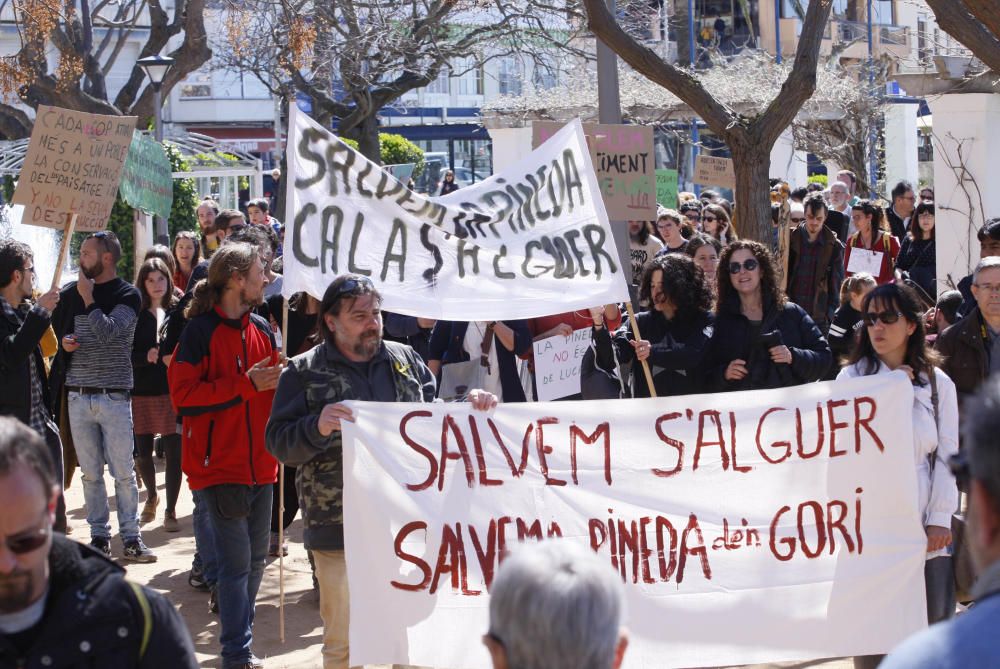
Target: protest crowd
202 363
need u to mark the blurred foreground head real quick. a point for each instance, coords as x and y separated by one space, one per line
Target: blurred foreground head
556 605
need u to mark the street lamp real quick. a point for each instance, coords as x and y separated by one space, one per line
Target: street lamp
156 68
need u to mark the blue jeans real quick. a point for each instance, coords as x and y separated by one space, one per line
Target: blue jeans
204 539
241 549
102 433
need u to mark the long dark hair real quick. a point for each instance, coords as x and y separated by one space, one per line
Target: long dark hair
155 265
196 258
644 232
916 232
901 298
683 284
770 295
873 209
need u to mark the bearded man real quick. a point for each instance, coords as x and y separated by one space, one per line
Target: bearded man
222 379
95 322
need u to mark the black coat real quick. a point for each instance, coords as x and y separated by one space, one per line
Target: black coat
678 353
17 343
811 356
93 618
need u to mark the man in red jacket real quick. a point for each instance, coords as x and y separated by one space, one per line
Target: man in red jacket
222 382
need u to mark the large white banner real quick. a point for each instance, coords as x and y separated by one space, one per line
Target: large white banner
530 241
747 527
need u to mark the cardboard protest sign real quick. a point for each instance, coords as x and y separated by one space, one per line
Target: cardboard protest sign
73 166
712 171
147 180
776 526
557 364
623 160
511 246
666 188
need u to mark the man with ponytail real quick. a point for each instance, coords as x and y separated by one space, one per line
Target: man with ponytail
222 381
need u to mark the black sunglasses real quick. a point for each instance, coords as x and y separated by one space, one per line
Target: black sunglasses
887 317
709 219
19 544
353 284
750 264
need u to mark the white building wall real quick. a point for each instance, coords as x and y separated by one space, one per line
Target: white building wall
964 199
901 144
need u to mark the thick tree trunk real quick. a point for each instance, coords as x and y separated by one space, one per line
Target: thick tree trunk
752 163
366 134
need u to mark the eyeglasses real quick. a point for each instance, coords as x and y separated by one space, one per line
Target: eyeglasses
988 287
750 264
29 269
887 318
666 223
692 217
19 544
709 219
796 220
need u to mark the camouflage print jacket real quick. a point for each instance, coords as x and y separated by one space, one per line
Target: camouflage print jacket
324 376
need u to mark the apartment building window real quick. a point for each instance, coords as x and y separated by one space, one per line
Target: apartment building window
545 74
510 73
923 53
441 84
197 85
469 76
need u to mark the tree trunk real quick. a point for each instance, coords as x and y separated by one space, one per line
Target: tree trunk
366 134
752 212
679 18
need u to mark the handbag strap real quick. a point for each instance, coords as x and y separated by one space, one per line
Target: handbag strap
932 378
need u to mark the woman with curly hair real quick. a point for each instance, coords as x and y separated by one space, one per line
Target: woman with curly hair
715 221
761 339
675 331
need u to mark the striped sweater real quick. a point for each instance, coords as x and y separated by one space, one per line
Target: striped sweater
104 332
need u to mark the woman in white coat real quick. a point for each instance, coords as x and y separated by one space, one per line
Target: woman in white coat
893 339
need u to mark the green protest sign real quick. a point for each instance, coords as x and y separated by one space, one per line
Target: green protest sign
147 183
666 188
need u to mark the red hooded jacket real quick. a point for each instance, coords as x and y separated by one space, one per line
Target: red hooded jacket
224 415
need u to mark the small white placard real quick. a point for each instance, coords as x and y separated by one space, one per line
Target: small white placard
557 364
863 260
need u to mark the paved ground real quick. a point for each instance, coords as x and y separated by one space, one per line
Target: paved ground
303 628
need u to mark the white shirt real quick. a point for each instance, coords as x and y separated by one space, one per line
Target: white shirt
473 346
938 491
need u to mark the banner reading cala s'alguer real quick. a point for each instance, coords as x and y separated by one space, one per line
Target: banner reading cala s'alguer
747 527
526 242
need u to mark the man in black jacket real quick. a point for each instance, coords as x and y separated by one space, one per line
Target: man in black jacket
25 395
63 604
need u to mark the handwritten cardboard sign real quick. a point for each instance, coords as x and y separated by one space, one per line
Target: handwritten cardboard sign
623 161
751 530
557 364
147 182
73 166
666 188
712 171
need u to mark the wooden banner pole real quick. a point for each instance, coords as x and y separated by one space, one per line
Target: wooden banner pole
645 364
63 250
281 498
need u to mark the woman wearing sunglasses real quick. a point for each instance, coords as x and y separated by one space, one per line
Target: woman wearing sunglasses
761 339
716 222
893 339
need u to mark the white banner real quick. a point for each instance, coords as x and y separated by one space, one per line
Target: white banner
558 361
529 241
747 527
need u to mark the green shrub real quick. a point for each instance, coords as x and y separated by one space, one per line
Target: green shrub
821 179
395 150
